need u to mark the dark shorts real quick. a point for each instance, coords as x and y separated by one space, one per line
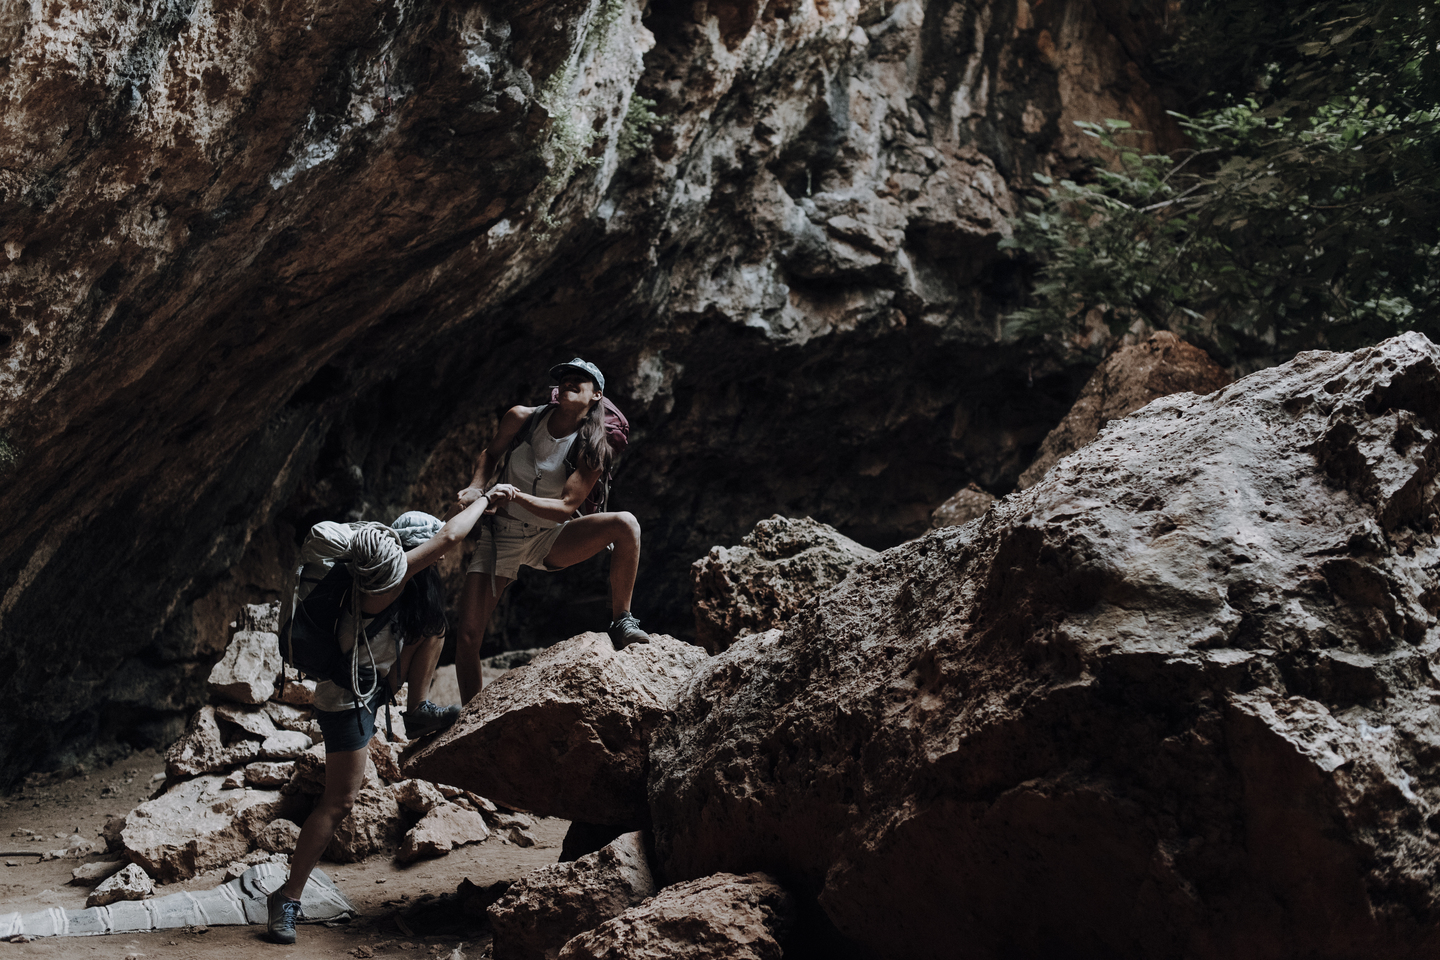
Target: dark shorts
343 731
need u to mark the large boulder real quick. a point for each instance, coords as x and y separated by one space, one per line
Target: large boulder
566 735
196 826
778 567
544 909
1129 378
724 917
1176 700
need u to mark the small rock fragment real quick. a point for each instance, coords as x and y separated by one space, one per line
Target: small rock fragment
269 773
445 827
89 874
131 883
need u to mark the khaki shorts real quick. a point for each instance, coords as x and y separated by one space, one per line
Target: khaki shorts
512 544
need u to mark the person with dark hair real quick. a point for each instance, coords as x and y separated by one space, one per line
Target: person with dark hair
536 497
391 627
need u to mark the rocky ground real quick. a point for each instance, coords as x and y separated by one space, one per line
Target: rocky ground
404 911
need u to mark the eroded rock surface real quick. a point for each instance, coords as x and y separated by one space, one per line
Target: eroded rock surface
964 506
1178 699
1128 379
196 826
247 672
566 735
131 883
723 917
444 827
779 567
543 910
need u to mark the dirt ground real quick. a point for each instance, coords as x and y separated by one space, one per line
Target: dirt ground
403 912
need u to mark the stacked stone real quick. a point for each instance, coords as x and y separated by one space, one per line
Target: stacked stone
249 767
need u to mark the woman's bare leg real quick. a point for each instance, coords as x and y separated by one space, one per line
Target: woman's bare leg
477 606
417 667
583 538
344 775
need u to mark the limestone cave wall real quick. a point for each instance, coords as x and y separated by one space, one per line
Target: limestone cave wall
272 261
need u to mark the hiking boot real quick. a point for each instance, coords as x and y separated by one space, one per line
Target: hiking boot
626 630
429 718
283 914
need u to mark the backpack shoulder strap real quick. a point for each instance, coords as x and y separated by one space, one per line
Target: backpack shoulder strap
531 422
527 431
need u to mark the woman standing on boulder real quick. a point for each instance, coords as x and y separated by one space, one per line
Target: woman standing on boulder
544 462
384 604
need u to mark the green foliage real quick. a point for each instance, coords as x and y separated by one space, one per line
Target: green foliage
9 456
637 134
1304 214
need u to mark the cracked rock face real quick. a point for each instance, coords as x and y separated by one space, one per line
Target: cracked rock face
268 265
1178 699
779 567
565 735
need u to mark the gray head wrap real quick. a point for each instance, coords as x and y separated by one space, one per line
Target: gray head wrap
415 528
377 558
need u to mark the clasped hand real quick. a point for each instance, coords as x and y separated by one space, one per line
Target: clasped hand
498 494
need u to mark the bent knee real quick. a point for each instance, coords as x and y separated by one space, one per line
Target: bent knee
628 521
340 807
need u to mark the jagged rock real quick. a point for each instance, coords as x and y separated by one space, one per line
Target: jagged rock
723 917
253 720
386 757
196 826
582 838
203 750
779 567
418 796
443 828
110 833
247 672
278 836
89 874
480 803
565 736
131 883
284 745
234 780
286 716
1175 700
547 907
965 506
300 693
1130 378
373 825
263 617
269 773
